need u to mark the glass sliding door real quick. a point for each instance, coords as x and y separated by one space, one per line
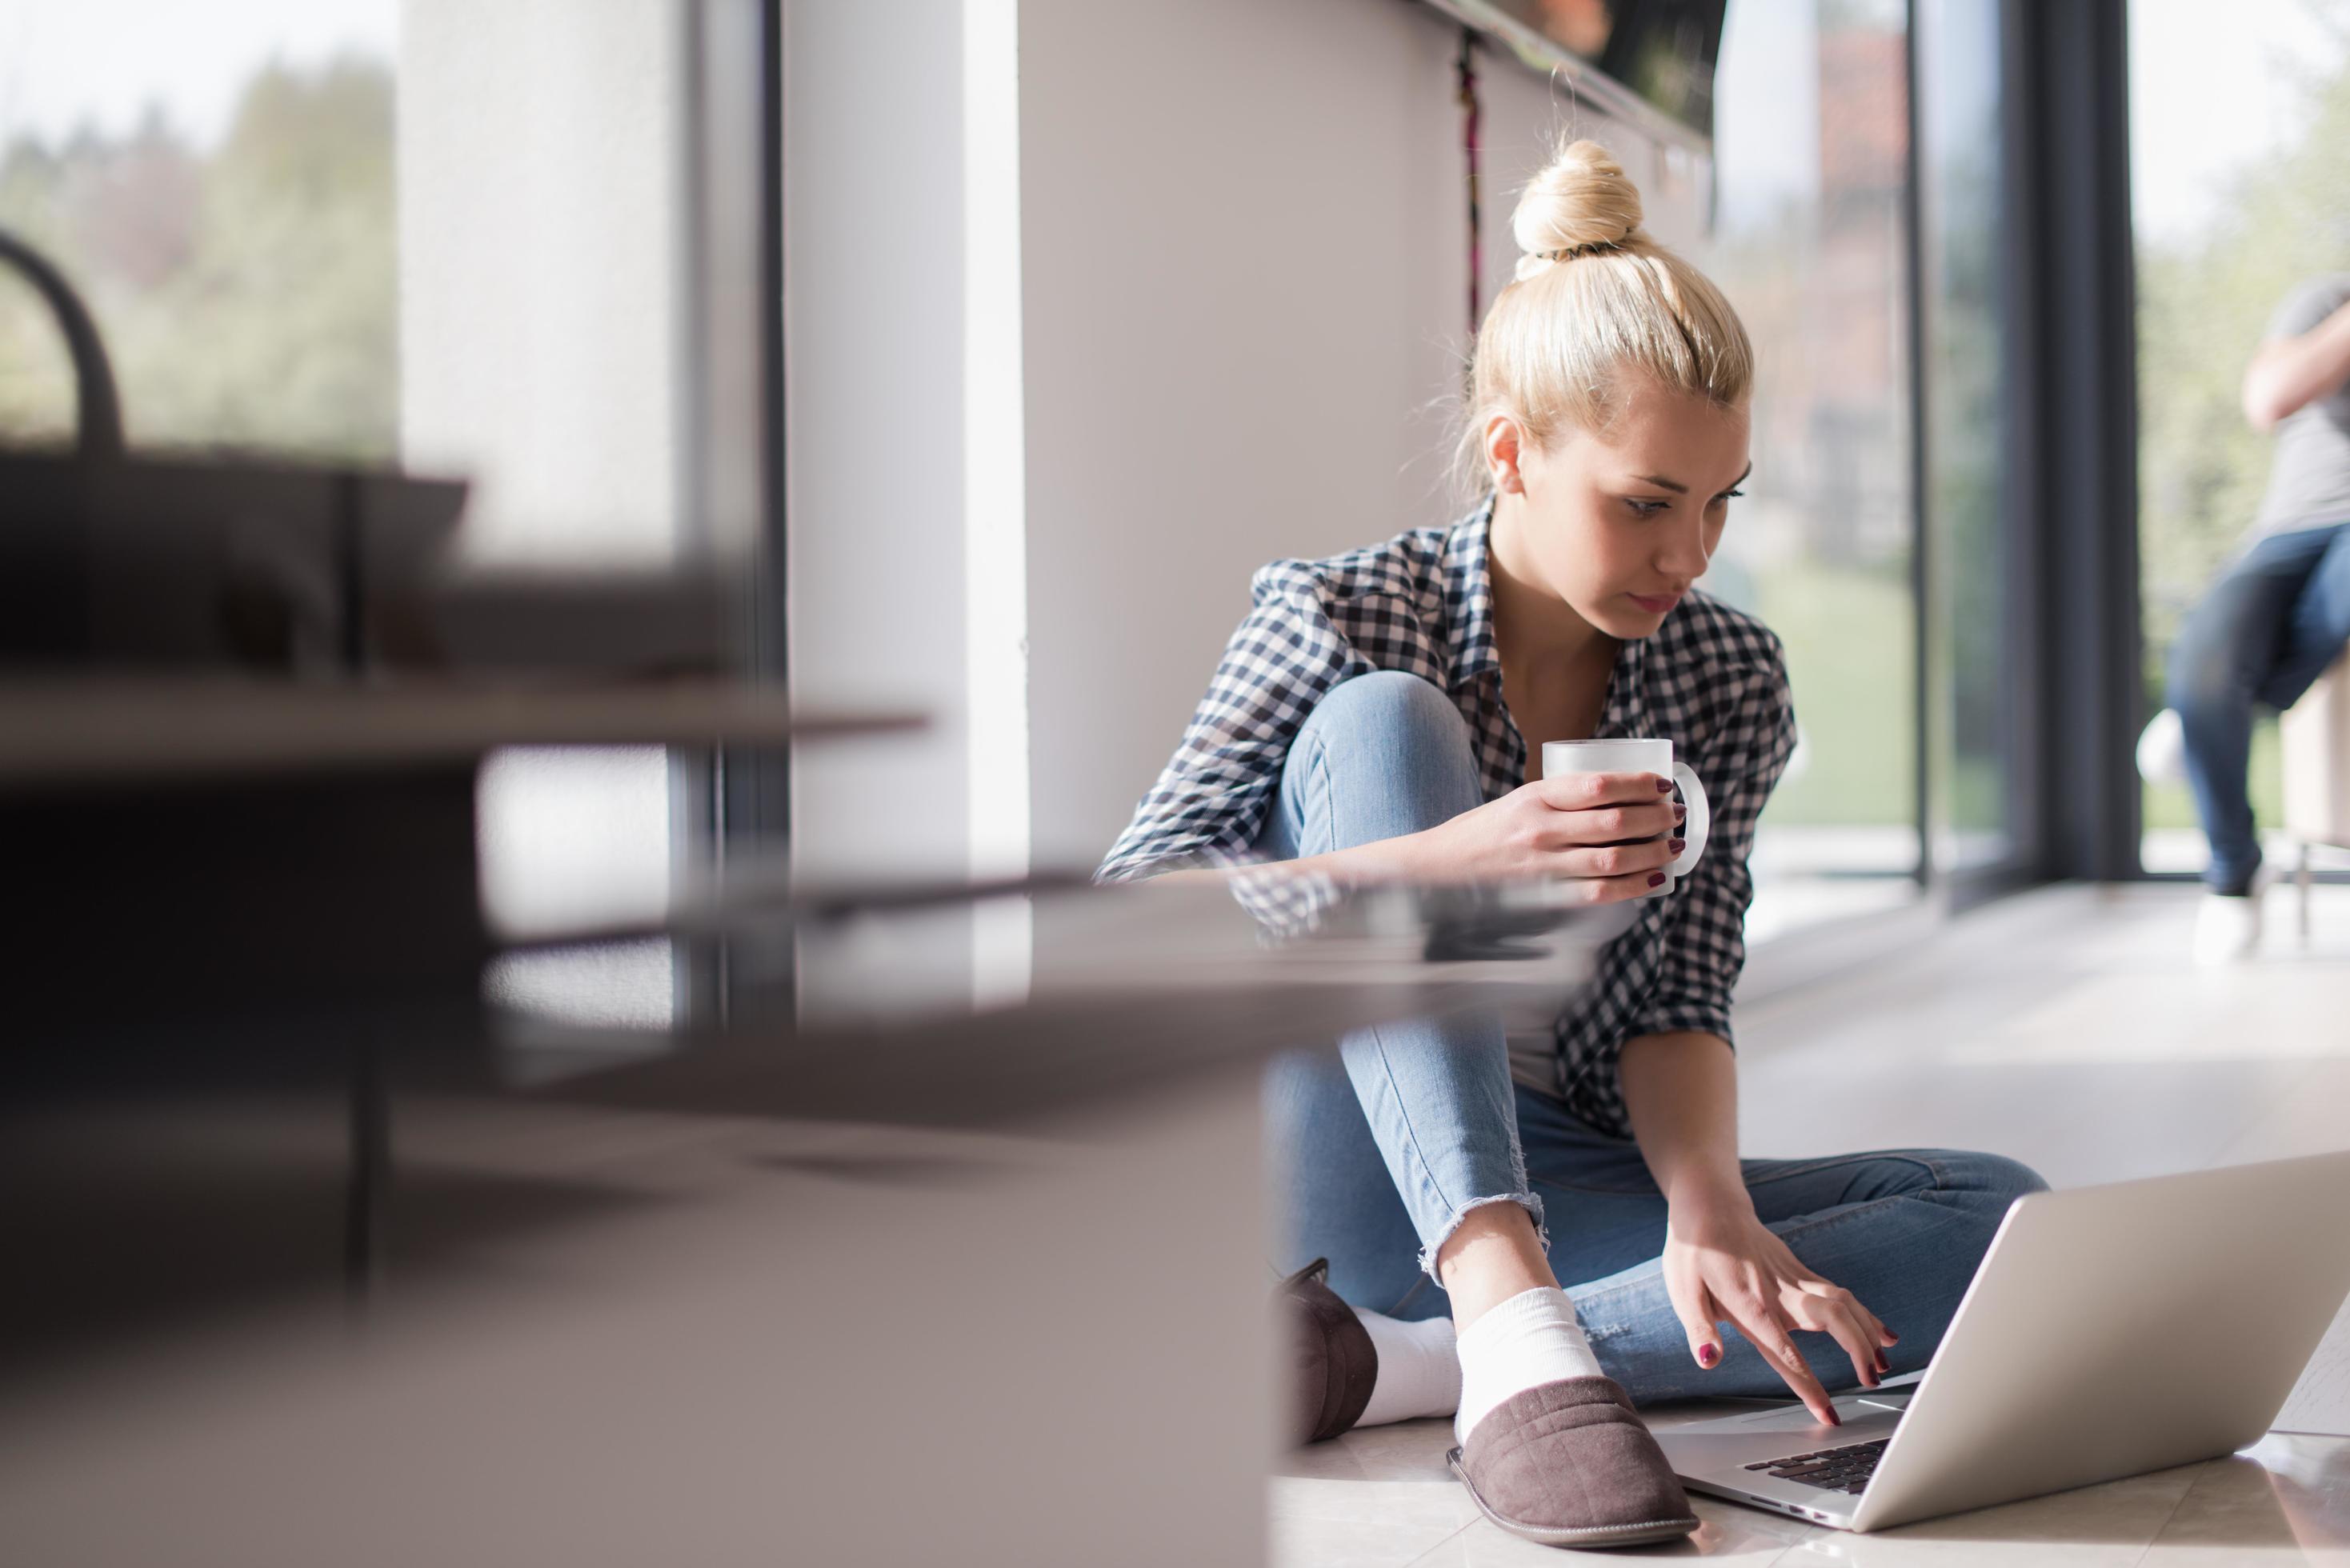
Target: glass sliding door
1811 242
1975 723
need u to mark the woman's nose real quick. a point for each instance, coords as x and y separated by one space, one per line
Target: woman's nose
1684 553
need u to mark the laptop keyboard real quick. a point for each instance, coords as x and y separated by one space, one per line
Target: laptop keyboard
1844 1470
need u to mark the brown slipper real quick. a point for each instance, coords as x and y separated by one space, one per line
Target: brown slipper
1332 1361
1569 1464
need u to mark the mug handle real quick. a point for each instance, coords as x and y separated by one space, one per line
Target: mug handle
1699 823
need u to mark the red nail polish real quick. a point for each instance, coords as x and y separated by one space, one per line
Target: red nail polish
1677 845
1707 1356
1664 786
1656 880
1834 1420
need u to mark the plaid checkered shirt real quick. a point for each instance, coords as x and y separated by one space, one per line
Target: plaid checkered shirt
1711 679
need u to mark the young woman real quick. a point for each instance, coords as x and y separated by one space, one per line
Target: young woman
1380 715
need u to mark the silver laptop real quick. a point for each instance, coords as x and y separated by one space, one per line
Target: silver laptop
2110 1331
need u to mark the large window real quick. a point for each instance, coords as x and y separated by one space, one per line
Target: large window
1975 726
2239 162
1811 242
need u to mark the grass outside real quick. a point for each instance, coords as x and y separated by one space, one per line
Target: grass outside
1849 636
1849 639
1978 795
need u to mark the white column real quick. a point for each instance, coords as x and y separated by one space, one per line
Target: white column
877 451
995 489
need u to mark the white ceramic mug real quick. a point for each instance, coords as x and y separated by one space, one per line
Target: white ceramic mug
1560 757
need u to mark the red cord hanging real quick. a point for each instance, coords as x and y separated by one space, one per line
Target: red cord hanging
1471 111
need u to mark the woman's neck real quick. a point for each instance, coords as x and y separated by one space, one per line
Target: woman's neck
1532 626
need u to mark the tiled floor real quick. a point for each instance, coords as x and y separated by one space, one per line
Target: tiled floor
2064 1029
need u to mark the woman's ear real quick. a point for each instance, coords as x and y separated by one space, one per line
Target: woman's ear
1502 439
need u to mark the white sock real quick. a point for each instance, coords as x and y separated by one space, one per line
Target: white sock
1420 1373
1530 1339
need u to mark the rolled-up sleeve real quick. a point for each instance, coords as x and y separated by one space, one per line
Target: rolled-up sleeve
1209 803
1703 948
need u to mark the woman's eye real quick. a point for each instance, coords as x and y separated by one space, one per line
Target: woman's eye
1731 494
1647 508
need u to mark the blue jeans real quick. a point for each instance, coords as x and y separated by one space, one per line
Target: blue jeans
2263 632
1379 1153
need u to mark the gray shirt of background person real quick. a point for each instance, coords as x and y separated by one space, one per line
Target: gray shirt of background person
2309 475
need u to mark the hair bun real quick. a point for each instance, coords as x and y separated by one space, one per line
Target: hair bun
1582 198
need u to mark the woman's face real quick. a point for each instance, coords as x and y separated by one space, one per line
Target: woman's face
1620 523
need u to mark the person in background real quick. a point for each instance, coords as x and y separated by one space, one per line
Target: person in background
2278 613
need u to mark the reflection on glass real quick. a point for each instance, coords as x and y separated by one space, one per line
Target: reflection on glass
1973 730
1809 242
1662 49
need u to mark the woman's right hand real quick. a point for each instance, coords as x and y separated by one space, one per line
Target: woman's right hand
1607 835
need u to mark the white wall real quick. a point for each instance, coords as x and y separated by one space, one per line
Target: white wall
1234 319
1242 232
875 436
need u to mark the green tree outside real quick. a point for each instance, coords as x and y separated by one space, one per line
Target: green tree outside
249 297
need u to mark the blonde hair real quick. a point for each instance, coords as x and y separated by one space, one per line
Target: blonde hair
1594 301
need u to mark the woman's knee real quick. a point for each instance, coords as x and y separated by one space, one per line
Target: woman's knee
1981 1185
1382 706
1988 1184
1381 754
2009 1179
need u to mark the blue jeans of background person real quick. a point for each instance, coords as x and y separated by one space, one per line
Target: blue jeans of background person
2263 632
1380 1152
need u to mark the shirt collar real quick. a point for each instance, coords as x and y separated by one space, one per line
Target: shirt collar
1469 585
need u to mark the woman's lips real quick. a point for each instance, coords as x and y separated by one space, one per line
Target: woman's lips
1655 604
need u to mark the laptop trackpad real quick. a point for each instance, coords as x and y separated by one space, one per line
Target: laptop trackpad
1857 1406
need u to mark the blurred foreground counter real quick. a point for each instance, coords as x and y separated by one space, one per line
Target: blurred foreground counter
970 1270
203 844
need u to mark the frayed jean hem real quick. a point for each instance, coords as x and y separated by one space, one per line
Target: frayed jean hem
1529 1201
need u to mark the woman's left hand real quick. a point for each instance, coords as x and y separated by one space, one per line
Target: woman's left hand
1723 1264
